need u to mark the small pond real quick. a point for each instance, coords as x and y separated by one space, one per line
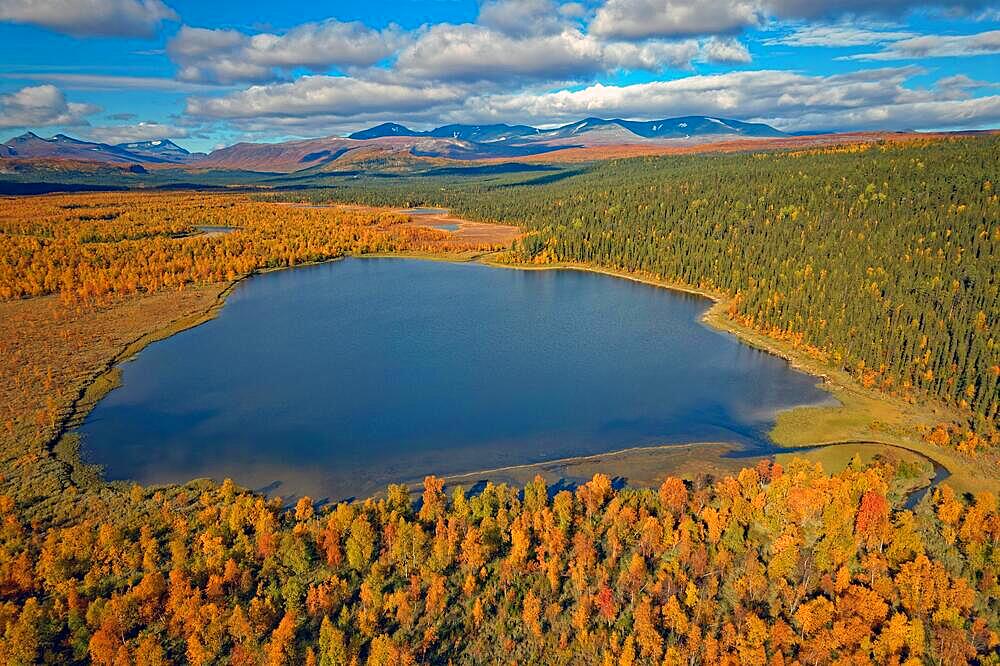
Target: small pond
214 230
425 211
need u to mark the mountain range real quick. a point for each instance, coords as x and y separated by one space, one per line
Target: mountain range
61 146
584 130
393 143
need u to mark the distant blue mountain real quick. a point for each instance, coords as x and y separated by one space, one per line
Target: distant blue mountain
670 128
483 133
384 130
164 149
474 133
697 126
456 142
30 145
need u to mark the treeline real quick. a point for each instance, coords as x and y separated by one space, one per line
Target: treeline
881 259
93 246
773 566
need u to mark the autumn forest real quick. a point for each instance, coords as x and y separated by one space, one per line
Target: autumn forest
874 265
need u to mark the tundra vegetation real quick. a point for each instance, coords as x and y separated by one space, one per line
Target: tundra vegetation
878 262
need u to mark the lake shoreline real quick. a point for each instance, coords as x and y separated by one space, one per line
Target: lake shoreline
64 445
646 466
67 451
837 424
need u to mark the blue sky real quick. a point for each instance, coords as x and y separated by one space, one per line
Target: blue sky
207 74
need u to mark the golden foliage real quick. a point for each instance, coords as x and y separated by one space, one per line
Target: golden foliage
95 246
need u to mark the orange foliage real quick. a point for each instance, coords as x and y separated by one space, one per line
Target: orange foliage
94 246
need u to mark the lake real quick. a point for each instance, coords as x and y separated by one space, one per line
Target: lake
337 379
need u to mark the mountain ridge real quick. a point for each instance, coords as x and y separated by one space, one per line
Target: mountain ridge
62 146
679 127
394 143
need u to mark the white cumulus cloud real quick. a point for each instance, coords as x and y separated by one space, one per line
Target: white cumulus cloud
324 95
226 56
869 99
42 106
840 35
105 18
143 131
640 19
937 46
725 50
812 9
523 17
472 52
644 19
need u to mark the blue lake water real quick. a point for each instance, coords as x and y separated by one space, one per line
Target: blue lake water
334 380
425 211
215 229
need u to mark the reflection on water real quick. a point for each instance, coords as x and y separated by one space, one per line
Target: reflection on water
214 230
425 211
334 380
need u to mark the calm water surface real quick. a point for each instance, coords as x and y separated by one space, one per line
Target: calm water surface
215 229
334 380
425 211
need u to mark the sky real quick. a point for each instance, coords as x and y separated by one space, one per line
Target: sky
210 74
